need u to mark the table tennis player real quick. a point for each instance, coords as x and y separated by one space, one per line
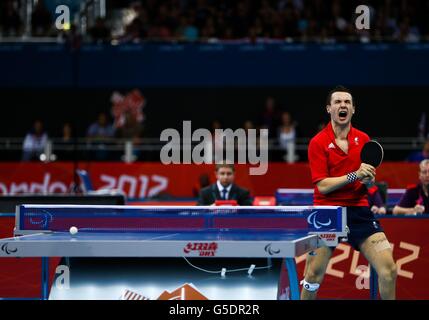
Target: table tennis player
341 178
224 189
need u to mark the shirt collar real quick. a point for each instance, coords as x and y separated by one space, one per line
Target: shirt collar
331 133
221 187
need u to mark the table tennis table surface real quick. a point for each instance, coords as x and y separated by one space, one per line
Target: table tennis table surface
162 244
179 235
165 232
126 231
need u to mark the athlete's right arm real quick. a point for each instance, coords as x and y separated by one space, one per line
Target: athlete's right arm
318 161
328 185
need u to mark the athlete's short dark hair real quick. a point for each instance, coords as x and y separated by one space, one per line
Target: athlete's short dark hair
338 89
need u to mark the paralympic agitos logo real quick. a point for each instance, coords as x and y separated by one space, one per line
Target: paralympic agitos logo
8 250
312 219
270 250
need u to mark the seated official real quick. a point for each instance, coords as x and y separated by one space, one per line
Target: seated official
224 188
416 198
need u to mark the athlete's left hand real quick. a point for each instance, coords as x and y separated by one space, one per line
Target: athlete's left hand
368 181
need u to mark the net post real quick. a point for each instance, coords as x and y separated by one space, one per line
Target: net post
45 278
18 210
293 278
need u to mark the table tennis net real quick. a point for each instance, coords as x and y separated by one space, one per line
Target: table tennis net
144 219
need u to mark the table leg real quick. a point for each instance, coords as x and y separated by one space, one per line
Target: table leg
373 284
293 278
45 278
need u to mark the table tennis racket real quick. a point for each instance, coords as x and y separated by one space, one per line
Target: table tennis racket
372 153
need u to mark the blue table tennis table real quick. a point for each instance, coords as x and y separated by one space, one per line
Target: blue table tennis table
188 231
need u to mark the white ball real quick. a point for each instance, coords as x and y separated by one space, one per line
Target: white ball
73 230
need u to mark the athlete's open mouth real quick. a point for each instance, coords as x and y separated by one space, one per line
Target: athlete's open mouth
342 114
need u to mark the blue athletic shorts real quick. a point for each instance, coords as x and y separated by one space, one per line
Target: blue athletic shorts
362 224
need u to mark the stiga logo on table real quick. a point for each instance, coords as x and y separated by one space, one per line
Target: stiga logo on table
204 249
328 236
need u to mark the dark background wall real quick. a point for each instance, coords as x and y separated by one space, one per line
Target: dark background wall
381 111
204 82
213 65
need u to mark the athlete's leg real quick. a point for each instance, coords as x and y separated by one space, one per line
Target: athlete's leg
315 269
377 250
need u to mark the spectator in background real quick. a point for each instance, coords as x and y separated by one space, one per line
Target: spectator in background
41 20
248 124
98 133
420 155
187 30
35 142
416 198
209 30
66 152
249 21
251 144
287 136
159 32
269 116
100 32
406 32
375 200
10 21
422 126
101 129
67 136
